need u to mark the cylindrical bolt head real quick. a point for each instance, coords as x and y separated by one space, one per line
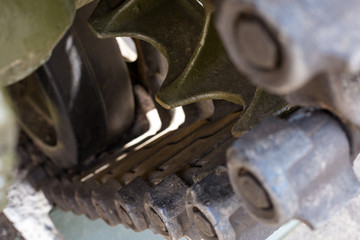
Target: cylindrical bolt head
125 216
165 207
155 219
252 190
129 204
203 224
260 49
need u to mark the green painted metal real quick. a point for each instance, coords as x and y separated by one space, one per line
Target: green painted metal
8 144
29 31
199 67
172 26
81 3
262 105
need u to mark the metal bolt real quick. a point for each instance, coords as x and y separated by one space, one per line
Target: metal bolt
203 224
155 218
125 216
257 44
252 190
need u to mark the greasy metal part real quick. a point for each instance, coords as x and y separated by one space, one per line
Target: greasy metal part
294 168
203 71
151 163
103 200
27 40
68 195
200 168
130 206
57 195
154 150
165 207
215 210
83 196
48 187
74 93
196 159
132 209
91 184
129 210
175 158
97 195
36 176
147 159
111 167
275 49
56 189
187 157
197 206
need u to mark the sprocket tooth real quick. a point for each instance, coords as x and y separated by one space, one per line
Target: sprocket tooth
199 67
173 27
262 105
208 75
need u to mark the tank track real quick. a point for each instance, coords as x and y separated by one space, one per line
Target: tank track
164 186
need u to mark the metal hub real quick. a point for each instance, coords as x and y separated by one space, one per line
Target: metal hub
253 191
155 218
259 48
203 223
125 216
